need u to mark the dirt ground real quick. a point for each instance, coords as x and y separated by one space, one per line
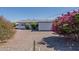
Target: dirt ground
23 41
44 41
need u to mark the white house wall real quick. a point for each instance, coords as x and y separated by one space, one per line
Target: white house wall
45 26
20 26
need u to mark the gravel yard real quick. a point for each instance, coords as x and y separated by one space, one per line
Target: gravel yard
44 41
23 41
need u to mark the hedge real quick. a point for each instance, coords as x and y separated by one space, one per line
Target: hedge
68 24
6 29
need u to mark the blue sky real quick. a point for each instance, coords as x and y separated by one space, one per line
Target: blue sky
23 13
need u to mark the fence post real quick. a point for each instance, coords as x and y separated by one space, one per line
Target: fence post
34 45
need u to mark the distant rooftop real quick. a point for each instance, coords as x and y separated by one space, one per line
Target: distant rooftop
35 21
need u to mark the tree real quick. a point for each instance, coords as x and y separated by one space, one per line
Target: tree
27 26
34 26
68 24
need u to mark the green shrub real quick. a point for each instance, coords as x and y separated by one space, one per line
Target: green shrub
65 29
34 26
14 25
27 26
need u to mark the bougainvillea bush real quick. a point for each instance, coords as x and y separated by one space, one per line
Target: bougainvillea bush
68 24
6 29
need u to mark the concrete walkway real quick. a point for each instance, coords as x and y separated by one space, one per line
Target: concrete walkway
23 41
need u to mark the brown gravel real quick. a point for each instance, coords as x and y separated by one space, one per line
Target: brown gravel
23 41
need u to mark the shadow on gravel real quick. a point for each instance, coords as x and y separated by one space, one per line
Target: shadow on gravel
61 44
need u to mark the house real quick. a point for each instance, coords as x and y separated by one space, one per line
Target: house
42 25
20 25
45 25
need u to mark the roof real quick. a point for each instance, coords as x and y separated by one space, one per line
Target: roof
30 21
